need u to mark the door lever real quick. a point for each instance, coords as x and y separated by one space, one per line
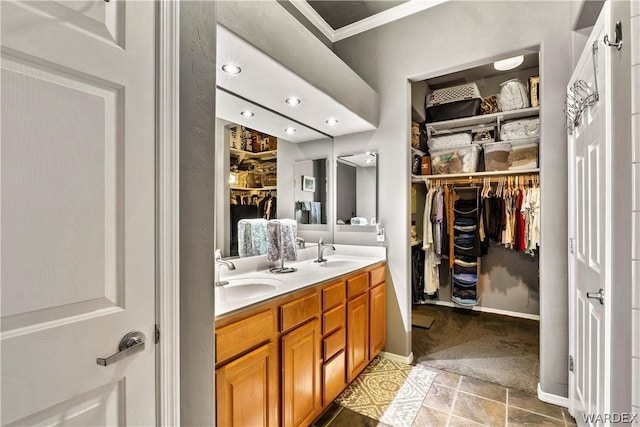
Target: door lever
131 343
597 295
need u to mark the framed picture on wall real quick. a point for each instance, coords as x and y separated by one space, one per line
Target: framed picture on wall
308 183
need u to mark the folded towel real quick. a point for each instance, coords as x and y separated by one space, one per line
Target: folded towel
252 237
466 278
281 238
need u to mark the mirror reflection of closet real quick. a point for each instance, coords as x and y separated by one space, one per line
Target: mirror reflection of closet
357 189
310 183
252 180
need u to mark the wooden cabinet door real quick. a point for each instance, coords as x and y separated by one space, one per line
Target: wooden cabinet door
301 365
247 389
357 335
377 319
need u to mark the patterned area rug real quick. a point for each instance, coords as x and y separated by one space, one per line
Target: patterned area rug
388 391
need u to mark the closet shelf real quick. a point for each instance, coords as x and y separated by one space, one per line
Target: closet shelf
273 187
515 172
243 154
482 119
420 152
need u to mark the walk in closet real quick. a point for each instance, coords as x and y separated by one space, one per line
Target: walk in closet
475 188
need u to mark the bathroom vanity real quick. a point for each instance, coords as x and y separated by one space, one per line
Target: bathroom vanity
284 355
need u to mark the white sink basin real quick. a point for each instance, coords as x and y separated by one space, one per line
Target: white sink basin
242 289
335 263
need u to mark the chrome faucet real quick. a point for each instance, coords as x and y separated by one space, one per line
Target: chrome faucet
300 242
321 247
219 263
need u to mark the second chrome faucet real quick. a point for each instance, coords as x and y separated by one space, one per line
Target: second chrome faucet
321 247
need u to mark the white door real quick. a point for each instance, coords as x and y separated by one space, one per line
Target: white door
590 186
78 217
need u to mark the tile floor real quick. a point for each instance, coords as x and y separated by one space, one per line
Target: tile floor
455 400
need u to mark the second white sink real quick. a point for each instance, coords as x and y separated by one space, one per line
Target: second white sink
248 288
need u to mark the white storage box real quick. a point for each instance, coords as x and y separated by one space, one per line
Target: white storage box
520 129
462 159
524 154
451 140
496 156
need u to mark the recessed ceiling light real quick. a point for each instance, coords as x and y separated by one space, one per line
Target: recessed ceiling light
331 122
247 113
231 69
289 130
293 101
509 63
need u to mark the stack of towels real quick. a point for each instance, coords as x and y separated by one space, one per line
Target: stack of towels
281 239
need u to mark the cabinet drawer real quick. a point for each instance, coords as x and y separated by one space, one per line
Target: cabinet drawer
333 378
333 344
299 311
240 336
377 275
332 295
333 319
357 285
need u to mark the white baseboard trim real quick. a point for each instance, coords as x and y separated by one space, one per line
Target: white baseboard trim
488 310
552 398
396 357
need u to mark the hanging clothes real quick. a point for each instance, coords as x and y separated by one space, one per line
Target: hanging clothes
431 259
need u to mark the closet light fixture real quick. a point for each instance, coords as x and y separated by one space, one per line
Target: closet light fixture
331 122
293 101
289 130
247 113
231 69
509 63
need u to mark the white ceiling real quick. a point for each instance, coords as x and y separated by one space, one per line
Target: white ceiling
267 83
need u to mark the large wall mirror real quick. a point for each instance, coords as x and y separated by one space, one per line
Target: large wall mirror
274 147
357 189
262 177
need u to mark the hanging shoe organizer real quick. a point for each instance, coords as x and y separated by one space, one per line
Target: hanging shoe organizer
466 247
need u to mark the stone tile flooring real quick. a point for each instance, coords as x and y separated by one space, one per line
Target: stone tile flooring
454 400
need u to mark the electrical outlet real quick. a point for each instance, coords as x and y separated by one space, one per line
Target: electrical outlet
380 235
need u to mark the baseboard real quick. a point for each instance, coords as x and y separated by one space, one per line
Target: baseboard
487 310
396 357
552 398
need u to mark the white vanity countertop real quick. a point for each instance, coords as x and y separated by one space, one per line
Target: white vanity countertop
252 283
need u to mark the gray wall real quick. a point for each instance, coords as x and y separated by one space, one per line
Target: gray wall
447 38
346 192
197 124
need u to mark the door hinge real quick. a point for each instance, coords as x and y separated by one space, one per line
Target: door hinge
571 240
570 363
157 334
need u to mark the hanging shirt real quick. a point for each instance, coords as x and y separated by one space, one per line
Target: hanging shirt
431 261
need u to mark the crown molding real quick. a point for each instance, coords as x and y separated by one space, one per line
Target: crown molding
313 16
389 15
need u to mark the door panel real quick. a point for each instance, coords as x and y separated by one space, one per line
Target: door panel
587 162
78 211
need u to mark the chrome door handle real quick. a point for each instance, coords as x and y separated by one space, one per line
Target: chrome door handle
131 343
597 295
